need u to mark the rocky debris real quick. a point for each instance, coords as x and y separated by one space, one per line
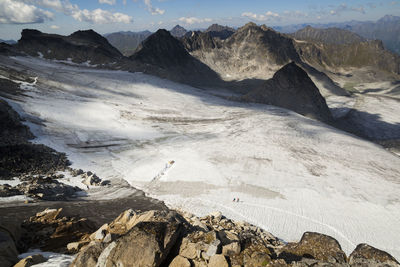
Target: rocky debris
80 46
293 89
31 260
314 246
171 238
366 255
8 249
40 187
32 159
17 155
49 230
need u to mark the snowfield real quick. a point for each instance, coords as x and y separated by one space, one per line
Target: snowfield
291 174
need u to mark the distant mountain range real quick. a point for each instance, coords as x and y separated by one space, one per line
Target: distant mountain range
386 29
127 42
178 31
8 41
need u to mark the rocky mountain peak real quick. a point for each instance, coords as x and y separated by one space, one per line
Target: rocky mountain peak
178 31
161 49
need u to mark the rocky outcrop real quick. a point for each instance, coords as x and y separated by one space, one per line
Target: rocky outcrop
365 255
81 46
293 89
50 230
314 246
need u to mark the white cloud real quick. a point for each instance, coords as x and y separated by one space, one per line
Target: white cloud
194 20
269 15
101 16
110 2
54 27
92 16
15 12
152 10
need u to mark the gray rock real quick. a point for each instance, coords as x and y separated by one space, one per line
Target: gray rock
8 250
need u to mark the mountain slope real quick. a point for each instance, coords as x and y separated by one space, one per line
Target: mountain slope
79 47
386 29
127 42
328 36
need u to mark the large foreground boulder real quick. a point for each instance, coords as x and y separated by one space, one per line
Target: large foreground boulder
147 244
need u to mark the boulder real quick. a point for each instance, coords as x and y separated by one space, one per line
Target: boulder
147 244
315 246
31 260
89 255
180 261
218 261
8 250
366 255
231 249
199 244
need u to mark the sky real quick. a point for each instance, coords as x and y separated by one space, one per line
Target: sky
106 16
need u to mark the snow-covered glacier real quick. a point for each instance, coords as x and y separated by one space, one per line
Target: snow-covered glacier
198 151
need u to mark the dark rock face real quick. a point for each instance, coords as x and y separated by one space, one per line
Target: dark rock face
127 42
365 255
81 46
328 36
178 31
291 88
